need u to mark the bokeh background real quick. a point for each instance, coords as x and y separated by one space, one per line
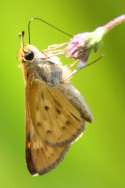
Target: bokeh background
98 158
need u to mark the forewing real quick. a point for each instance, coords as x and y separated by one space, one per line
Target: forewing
54 117
40 157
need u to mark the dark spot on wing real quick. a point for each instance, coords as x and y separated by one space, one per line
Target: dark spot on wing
58 111
68 122
49 131
46 108
64 127
39 124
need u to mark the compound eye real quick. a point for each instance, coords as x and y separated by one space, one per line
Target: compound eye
29 55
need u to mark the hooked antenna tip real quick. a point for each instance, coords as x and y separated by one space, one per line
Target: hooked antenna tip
21 34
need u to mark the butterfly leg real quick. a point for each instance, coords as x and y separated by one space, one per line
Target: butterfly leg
71 70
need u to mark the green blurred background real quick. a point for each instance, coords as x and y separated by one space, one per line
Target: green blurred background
97 160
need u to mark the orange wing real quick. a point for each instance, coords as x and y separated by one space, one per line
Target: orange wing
54 117
40 157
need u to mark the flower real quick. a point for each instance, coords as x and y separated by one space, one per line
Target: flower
80 45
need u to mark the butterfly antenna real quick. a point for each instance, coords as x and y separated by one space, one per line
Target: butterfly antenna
21 35
47 23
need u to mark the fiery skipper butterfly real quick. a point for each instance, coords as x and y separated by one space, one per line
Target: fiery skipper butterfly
55 110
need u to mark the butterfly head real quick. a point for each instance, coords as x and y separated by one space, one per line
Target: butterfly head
29 53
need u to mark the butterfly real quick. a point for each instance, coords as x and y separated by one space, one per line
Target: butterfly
55 111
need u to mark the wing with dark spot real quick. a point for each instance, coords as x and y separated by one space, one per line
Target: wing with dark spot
56 120
40 157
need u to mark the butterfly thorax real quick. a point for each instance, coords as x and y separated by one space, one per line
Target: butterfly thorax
47 71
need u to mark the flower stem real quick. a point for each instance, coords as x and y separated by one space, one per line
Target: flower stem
117 21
